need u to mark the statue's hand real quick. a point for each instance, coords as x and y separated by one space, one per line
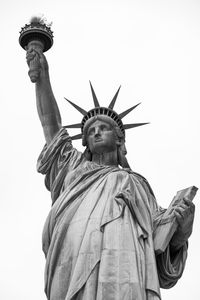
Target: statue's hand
38 61
185 217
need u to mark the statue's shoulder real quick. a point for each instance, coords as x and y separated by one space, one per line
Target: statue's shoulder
143 181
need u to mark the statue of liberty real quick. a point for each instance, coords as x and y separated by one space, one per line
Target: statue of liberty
98 238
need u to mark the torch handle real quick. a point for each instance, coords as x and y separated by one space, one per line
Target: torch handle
34 65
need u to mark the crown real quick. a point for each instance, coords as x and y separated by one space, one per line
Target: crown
102 111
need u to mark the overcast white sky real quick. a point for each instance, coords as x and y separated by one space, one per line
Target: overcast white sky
151 48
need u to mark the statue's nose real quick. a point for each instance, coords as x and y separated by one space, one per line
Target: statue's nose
97 131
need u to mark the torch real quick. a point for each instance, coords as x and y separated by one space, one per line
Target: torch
36 35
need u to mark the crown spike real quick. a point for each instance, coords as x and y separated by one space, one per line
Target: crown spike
76 137
78 125
126 112
81 110
128 126
96 102
112 103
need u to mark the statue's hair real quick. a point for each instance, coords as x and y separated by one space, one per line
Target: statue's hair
121 154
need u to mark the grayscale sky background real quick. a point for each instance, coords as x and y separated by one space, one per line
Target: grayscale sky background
152 49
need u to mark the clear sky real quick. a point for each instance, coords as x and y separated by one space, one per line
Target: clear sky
152 49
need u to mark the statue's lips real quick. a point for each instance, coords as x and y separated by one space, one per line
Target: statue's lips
98 140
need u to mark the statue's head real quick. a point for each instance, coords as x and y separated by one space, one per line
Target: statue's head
102 135
102 129
99 121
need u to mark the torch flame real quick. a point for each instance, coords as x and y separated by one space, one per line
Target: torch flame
40 19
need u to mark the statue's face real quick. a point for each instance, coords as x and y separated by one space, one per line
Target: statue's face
101 137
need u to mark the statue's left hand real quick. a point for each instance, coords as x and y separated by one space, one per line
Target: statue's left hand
185 217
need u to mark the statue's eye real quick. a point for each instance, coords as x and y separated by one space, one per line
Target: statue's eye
104 128
91 131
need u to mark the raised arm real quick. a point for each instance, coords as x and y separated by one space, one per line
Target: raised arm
46 104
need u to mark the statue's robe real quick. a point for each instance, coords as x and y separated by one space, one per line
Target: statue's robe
98 236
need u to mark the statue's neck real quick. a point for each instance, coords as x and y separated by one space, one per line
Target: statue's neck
107 158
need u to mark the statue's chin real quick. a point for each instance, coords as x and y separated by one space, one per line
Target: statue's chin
100 147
